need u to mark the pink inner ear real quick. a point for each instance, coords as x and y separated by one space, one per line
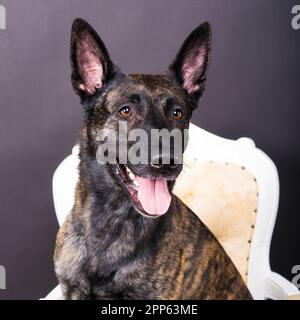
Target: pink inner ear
192 69
90 64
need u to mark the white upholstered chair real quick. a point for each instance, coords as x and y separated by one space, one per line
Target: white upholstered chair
233 187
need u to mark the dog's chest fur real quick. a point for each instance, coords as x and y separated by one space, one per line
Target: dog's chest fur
111 243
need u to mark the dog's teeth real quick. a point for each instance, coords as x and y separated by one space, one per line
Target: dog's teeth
128 170
131 175
135 183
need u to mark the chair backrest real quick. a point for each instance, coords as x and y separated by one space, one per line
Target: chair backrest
231 185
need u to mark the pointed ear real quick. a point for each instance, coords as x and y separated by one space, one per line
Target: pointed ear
90 61
190 65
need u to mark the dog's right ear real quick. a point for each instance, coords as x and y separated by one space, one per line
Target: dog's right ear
90 61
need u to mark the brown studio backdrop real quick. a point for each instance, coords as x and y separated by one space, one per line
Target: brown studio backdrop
253 90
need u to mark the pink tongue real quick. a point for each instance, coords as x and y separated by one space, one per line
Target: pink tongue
154 195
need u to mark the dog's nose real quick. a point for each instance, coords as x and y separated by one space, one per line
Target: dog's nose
164 161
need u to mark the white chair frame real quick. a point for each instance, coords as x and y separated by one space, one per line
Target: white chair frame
261 281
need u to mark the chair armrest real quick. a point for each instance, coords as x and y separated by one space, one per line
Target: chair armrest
279 288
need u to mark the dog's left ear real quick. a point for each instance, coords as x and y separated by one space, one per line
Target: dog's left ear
90 61
190 65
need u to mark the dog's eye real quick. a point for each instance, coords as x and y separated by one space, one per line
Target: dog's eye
125 111
178 114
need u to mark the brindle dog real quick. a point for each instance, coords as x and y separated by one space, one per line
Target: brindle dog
121 241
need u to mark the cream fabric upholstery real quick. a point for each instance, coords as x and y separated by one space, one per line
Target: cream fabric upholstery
294 297
225 197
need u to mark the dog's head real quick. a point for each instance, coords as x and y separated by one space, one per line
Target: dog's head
144 102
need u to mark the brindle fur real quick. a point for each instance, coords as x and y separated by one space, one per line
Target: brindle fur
106 249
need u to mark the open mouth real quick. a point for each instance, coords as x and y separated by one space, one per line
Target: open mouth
150 196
